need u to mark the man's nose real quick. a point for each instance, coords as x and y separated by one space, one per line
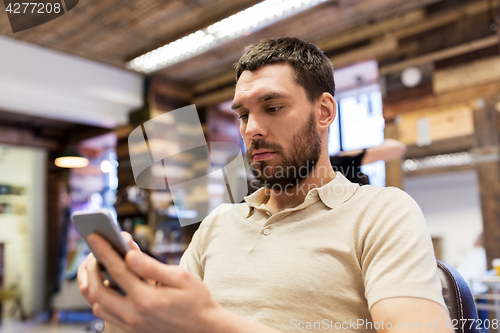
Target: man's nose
255 127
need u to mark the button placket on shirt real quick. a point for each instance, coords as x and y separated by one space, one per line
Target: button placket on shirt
266 231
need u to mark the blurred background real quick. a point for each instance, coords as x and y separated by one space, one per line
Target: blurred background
423 72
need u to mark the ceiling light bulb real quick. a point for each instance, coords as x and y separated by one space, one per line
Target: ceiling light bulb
411 77
71 162
106 166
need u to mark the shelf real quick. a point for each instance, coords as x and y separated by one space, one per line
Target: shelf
487 279
12 198
127 208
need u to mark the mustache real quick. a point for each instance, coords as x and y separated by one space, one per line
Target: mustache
262 144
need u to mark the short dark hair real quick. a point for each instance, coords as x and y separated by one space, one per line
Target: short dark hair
313 70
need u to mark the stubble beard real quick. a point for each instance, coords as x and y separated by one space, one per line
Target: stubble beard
295 165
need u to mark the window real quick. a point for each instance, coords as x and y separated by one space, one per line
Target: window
359 122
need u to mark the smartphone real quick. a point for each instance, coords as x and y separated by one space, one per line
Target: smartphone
101 222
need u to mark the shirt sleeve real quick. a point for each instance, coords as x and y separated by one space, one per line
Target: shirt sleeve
191 259
397 258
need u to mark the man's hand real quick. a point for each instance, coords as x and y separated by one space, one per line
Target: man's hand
82 269
181 304
178 302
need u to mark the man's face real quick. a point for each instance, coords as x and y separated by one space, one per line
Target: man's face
278 126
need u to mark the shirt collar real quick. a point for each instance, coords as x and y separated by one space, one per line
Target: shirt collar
338 191
256 200
333 194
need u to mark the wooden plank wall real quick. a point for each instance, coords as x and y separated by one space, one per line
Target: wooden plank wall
445 122
461 107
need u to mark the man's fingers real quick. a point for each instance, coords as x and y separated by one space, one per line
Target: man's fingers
104 297
82 277
113 263
134 246
130 241
150 268
111 321
95 283
102 313
107 303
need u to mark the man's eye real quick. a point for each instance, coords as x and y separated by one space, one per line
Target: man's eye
244 117
273 109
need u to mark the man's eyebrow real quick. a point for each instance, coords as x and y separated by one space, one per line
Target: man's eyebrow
267 97
261 99
236 106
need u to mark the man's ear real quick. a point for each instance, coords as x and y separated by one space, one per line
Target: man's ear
327 110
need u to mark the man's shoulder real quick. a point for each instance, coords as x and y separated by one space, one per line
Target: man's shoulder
387 196
376 192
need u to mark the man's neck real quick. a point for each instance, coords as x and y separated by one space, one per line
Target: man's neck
292 197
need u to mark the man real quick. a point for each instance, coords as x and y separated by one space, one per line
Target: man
310 251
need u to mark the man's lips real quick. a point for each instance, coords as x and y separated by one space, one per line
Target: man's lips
263 156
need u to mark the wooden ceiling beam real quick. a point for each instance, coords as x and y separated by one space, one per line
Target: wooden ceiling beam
25 137
215 82
370 31
165 88
440 55
446 18
396 28
197 19
394 109
377 49
216 97
84 132
406 50
467 75
467 95
402 26
328 44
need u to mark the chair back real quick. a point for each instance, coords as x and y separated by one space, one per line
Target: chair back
458 299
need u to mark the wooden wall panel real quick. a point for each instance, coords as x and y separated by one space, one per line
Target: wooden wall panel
444 123
410 105
472 74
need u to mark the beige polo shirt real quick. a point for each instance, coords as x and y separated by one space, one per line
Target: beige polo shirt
319 266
